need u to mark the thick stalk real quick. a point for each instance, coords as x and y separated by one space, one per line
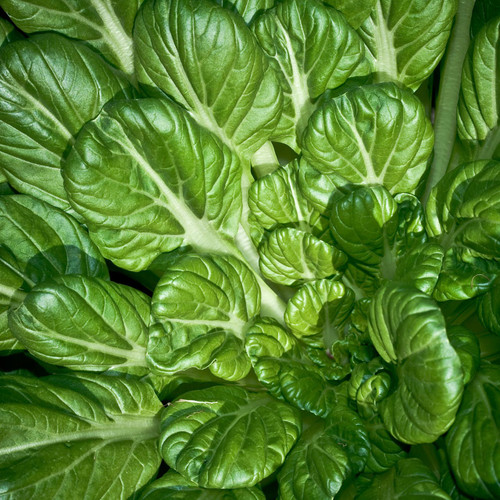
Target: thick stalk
265 161
445 126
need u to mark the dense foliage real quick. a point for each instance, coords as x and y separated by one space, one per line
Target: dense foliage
249 249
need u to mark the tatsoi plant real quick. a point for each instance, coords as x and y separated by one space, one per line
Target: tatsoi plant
249 249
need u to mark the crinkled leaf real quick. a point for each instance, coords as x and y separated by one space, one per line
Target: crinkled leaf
318 311
85 324
473 442
406 40
93 436
478 120
226 437
409 479
176 487
203 304
355 11
207 59
289 256
408 330
467 346
374 134
326 454
312 48
175 183
49 87
106 25
248 9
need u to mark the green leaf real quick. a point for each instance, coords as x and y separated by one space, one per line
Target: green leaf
409 479
85 324
406 40
93 436
355 11
226 437
276 200
489 308
408 330
176 487
374 134
318 311
484 11
467 346
207 59
312 48
326 454
290 257
479 103
105 25
204 305
467 228
168 189
473 441
8 32
49 87
248 9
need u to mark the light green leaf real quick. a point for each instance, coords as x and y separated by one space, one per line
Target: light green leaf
327 453
93 436
226 437
408 330
175 183
489 308
312 48
406 40
318 311
203 305
355 11
467 346
49 87
473 442
207 59
248 9
290 257
409 479
374 134
276 200
106 25
176 487
85 324
478 120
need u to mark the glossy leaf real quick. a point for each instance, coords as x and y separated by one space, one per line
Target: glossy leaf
8 32
107 26
467 346
473 442
207 59
290 256
374 134
168 189
312 48
85 324
406 41
248 9
408 331
355 11
49 87
489 308
253 433
93 436
203 305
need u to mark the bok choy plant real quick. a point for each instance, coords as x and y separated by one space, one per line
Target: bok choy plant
249 249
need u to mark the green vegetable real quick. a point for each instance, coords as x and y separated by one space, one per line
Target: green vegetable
249 249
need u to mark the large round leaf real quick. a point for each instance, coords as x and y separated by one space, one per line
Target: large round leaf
226 437
408 330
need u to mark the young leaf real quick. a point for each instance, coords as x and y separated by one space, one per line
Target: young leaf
224 80
175 183
226 437
105 25
406 40
49 87
375 134
93 436
204 304
312 49
408 331
85 324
